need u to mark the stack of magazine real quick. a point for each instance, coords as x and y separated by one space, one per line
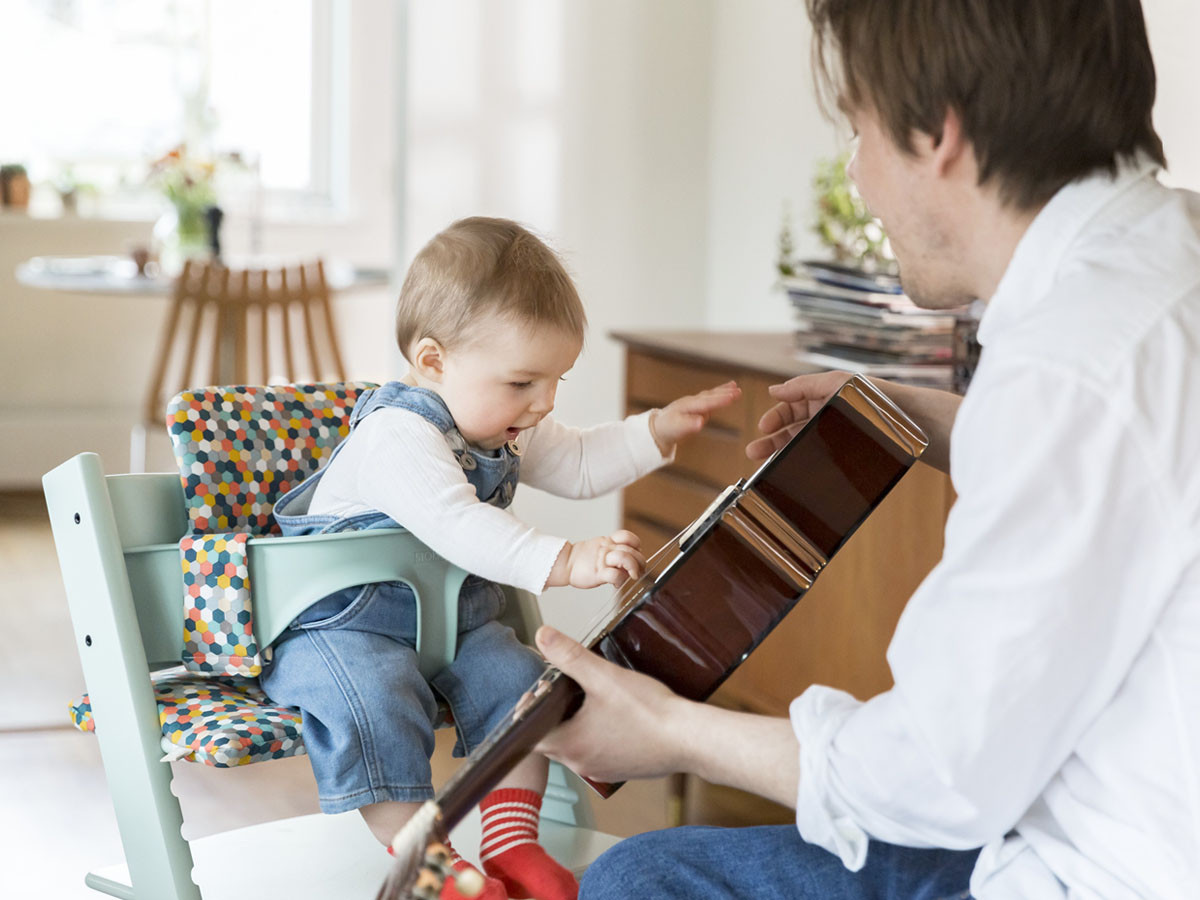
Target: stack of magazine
862 322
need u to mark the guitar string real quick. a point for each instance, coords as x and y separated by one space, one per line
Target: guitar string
625 596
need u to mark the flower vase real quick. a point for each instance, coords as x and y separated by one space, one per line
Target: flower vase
180 235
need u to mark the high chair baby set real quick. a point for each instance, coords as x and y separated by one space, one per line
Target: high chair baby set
164 569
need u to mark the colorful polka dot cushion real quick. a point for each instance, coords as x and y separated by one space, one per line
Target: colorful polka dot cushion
241 448
222 722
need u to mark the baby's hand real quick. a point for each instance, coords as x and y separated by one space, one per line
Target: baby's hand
601 560
687 415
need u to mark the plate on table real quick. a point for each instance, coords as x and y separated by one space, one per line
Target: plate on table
84 266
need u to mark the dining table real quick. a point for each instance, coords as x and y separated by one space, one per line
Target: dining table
122 276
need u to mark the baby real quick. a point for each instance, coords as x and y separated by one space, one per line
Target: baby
489 322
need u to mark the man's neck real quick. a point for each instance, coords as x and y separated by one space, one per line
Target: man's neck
993 241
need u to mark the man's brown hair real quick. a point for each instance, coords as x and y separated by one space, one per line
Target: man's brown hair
479 269
1047 90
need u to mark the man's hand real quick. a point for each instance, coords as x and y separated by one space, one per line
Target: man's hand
799 399
600 560
623 729
687 415
631 726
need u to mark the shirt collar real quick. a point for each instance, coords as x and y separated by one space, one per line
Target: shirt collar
1039 253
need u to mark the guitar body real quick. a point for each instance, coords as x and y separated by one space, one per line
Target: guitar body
701 609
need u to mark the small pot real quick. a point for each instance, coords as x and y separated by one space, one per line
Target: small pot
14 191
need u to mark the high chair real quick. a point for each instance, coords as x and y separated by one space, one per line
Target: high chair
118 544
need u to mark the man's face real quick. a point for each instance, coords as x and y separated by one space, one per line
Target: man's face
901 188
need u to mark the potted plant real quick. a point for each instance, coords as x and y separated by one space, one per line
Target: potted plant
843 222
14 186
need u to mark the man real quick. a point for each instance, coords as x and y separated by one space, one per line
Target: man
1046 671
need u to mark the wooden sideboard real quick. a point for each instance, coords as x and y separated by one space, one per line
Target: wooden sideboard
839 632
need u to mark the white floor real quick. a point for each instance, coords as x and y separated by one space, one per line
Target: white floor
56 822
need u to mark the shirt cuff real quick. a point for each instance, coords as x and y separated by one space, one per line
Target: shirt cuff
822 818
642 446
551 547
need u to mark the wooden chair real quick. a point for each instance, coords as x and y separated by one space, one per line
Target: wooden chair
117 539
241 326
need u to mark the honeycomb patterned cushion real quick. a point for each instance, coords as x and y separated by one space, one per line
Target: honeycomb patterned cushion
218 631
222 722
241 448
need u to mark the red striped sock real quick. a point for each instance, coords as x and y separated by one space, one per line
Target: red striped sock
510 852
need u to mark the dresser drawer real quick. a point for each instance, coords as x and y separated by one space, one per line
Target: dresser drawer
667 500
715 456
656 382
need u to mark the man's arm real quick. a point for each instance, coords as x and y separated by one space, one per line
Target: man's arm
800 398
933 410
631 726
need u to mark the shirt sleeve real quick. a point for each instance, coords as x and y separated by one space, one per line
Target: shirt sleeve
587 462
1058 561
406 470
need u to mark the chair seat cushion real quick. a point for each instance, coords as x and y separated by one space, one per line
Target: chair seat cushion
220 721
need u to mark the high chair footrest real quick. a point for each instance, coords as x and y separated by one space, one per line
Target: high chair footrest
353 864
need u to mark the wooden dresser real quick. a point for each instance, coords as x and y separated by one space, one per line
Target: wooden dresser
839 632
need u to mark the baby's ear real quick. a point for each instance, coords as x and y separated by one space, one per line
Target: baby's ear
429 359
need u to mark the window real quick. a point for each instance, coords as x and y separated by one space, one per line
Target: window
95 89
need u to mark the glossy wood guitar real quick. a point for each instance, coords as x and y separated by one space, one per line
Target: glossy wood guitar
711 595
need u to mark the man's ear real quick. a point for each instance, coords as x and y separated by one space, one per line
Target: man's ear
947 150
429 359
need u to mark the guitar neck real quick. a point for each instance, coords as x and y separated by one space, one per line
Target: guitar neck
554 698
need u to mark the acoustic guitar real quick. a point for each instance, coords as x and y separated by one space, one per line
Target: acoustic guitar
706 600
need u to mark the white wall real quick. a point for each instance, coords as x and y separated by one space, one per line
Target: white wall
765 136
1174 28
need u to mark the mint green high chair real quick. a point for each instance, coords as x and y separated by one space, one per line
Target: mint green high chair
118 544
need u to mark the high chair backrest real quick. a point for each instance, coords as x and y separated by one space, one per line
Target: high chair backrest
240 448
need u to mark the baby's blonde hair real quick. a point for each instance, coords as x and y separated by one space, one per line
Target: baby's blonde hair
478 269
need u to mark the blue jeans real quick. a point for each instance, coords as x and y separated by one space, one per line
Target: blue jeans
769 861
349 663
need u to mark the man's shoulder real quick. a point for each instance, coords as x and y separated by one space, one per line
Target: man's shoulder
1123 291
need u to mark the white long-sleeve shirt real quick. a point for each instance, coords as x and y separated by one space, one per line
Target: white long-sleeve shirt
399 463
1047 672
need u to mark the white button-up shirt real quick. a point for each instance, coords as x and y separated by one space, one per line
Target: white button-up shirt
1047 672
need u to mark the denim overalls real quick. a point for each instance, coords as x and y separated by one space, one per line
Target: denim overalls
349 663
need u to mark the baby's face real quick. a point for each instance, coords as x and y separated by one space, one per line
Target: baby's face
498 386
